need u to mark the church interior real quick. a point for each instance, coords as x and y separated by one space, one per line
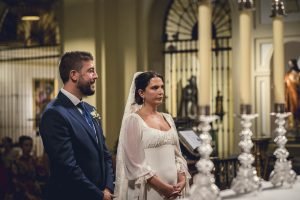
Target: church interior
231 59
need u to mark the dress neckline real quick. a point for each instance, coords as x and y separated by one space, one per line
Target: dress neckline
156 128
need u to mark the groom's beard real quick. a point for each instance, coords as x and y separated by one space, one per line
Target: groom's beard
86 88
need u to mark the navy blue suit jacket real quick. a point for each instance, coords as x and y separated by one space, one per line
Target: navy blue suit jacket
80 167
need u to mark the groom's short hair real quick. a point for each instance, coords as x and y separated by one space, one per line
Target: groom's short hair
72 61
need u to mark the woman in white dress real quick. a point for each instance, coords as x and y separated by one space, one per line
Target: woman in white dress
150 165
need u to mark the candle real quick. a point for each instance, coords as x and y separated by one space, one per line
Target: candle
204 53
278 60
245 54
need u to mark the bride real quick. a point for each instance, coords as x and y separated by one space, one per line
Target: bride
149 161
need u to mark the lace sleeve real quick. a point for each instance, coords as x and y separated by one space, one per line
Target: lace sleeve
134 155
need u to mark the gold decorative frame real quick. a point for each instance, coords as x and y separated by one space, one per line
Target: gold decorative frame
44 90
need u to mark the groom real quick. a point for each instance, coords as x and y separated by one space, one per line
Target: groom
80 163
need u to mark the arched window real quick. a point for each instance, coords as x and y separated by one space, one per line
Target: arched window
181 61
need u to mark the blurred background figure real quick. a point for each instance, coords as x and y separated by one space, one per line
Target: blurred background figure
9 152
42 171
25 184
292 93
4 180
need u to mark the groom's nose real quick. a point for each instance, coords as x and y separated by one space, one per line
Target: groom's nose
95 75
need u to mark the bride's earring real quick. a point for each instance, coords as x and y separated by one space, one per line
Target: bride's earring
143 101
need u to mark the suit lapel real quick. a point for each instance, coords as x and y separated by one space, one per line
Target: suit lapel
73 110
98 128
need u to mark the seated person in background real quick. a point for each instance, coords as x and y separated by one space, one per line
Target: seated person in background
4 180
25 183
43 171
9 153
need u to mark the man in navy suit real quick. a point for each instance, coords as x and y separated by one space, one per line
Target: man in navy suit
80 163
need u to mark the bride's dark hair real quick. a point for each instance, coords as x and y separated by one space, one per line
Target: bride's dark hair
141 82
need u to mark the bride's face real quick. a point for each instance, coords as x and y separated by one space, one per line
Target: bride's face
154 92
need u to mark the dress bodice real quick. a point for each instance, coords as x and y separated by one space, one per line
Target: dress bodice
153 138
148 152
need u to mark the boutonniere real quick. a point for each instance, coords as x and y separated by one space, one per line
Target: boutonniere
95 114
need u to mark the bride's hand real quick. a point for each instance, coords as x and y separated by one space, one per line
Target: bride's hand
181 182
174 195
165 189
169 192
179 186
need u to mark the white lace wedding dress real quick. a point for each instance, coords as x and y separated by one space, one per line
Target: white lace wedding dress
148 152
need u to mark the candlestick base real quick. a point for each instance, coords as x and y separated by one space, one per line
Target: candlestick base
204 187
282 175
246 180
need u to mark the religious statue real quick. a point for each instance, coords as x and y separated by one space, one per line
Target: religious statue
189 100
292 92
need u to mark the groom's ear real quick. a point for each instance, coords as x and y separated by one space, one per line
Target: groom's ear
74 75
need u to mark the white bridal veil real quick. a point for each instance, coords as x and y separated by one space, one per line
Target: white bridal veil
130 107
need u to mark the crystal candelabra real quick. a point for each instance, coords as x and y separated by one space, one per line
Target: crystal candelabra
204 187
282 175
246 180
